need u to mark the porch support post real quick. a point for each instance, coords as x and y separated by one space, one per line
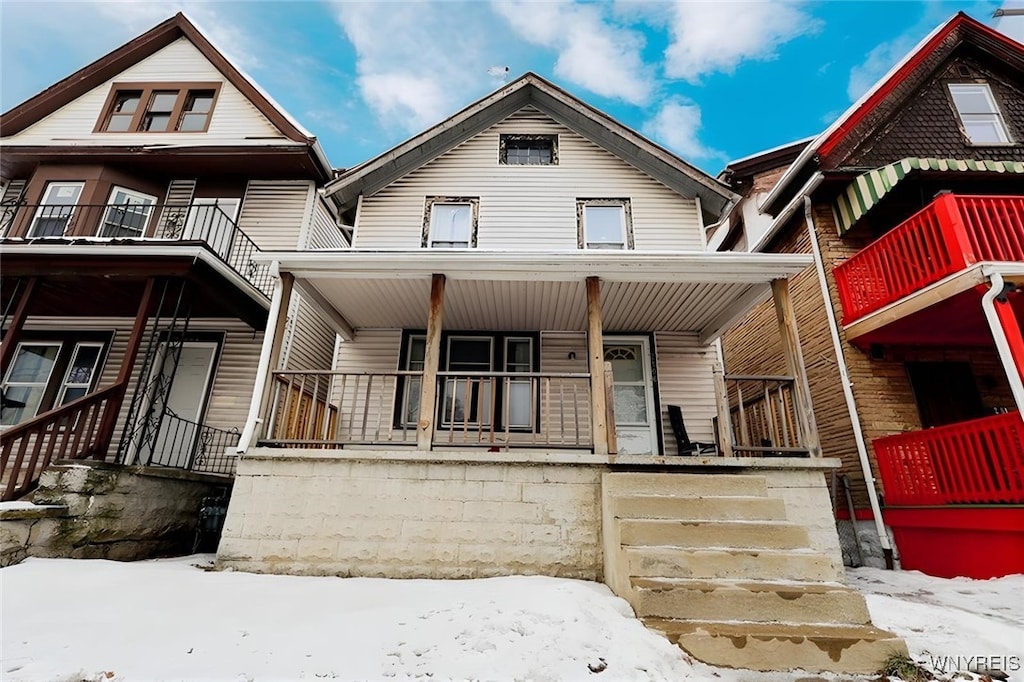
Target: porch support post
595 348
431 360
795 365
14 329
124 374
724 423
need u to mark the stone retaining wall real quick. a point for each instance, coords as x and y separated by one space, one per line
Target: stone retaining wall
106 511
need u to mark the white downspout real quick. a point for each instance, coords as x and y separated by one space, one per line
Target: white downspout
263 367
851 405
1002 344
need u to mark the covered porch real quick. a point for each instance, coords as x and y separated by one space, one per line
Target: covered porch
609 354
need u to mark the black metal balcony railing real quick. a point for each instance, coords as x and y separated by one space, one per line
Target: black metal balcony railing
185 444
205 223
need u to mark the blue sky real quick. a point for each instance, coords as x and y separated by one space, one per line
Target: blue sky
712 81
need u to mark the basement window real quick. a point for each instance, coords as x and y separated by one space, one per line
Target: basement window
158 108
979 113
528 150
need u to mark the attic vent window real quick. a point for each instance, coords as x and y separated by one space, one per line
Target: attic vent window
528 150
979 114
158 108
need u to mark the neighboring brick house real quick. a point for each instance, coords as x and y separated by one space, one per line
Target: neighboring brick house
136 194
912 205
529 384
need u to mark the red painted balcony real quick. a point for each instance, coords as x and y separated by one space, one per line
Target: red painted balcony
975 462
947 236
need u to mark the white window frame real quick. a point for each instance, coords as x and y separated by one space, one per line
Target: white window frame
66 384
46 207
993 116
7 383
429 240
145 200
511 383
625 224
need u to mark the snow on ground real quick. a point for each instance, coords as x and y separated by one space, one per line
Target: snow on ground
73 620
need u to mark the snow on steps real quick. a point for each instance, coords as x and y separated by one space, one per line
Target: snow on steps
710 561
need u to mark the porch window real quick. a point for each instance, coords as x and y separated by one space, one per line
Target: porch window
49 373
469 400
158 108
56 210
450 223
979 114
604 224
519 392
127 214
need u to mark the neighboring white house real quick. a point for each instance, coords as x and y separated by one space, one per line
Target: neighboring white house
529 382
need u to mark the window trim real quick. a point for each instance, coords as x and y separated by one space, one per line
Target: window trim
147 89
426 240
80 184
627 221
996 113
68 343
504 139
111 206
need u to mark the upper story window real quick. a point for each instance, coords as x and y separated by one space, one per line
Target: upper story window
159 108
56 210
528 150
979 113
604 224
450 223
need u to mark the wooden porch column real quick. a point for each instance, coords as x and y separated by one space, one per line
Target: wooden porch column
431 360
10 340
595 349
724 423
795 364
106 430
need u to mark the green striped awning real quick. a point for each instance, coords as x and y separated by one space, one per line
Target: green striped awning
866 191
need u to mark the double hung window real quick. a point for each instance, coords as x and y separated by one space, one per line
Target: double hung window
159 108
979 113
450 223
47 374
604 224
127 214
57 209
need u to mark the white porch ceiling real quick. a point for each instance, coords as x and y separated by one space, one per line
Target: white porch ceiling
704 293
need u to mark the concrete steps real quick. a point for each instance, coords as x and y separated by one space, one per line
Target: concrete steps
712 562
850 649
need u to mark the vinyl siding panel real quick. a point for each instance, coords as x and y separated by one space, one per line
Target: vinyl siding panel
323 231
233 378
273 213
235 120
311 339
685 378
531 208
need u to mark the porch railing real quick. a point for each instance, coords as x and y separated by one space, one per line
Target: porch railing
762 415
186 444
492 409
948 235
69 432
974 462
206 223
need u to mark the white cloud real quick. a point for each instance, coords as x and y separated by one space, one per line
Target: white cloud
594 53
877 64
677 126
717 36
418 62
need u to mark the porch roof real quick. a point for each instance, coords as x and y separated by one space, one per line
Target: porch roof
641 291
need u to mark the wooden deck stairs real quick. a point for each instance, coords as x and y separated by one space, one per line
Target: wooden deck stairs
711 562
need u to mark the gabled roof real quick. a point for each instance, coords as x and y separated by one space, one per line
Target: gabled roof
530 89
914 67
160 36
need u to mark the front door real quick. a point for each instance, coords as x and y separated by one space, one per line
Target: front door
179 426
636 421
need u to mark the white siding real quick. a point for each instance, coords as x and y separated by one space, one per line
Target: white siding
310 339
234 375
273 212
528 207
685 378
236 121
323 231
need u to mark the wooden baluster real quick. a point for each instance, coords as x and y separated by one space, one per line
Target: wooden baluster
366 405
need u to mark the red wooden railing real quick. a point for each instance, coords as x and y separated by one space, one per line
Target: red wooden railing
73 431
948 235
975 462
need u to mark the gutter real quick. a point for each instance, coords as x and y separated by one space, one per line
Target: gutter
787 213
998 289
847 385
